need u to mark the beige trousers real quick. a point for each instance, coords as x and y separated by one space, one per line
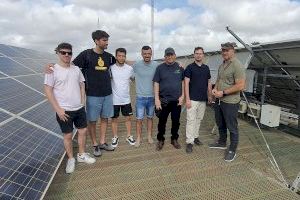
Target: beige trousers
194 117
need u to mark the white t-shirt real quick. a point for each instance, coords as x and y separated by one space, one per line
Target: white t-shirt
120 83
66 86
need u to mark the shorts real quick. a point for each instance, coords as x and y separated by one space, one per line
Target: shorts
144 104
77 117
125 109
99 107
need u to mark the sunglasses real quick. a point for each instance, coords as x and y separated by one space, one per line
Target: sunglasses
66 52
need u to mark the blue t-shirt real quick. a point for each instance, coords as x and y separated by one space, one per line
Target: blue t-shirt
170 79
144 73
199 76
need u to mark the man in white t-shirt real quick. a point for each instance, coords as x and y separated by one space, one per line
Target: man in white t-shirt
64 89
121 75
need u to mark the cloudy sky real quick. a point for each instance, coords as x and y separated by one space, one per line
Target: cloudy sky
182 24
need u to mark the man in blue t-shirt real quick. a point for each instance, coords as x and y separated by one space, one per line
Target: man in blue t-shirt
144 71
197 92
169 94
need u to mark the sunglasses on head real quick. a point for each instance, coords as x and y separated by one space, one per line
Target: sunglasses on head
65 52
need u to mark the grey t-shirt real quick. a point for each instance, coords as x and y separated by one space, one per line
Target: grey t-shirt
144 73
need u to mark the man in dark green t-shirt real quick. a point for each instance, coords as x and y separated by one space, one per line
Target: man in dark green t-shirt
230 82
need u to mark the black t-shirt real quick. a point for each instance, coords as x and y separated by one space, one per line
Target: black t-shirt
199 76
96 70
170 79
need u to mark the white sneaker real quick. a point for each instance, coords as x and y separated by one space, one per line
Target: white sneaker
70 167
130 140
114 142
86 158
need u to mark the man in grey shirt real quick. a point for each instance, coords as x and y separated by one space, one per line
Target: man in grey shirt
144 71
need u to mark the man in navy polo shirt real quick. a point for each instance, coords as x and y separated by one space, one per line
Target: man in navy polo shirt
197 92
169 94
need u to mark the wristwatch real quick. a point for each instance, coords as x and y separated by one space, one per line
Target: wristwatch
224 93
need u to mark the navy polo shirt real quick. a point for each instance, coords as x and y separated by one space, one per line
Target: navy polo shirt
170 79
199 76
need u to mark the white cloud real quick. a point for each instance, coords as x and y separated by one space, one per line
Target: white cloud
42 24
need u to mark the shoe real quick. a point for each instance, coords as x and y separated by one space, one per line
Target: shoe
230 156
189 148
159 145
97 151
150 140
197 141
176 144
106 147
70 167
114 142
217 146
130 140
86 158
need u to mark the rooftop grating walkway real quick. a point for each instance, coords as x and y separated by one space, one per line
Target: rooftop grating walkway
143 173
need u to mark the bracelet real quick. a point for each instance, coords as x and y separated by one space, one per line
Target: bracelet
224 93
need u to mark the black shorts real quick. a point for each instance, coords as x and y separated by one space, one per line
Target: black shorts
77 117
125 109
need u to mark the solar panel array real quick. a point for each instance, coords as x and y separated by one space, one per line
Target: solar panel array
31 142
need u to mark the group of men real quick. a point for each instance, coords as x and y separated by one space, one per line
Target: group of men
103 86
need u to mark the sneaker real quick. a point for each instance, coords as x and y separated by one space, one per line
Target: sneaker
189 148
97 151
230 156
197 141
106 147
114 142
175 144
70 167
130 140
86 158
159 145
217 146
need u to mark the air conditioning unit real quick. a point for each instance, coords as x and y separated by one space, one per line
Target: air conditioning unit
255 108
270 115
242 107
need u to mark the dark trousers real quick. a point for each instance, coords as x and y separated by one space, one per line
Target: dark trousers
175 111
226 118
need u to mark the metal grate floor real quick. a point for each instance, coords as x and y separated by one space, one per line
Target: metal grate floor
143 173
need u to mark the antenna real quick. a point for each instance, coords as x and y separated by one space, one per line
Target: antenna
152 27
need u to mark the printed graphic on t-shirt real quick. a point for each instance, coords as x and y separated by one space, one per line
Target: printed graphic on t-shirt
177 71
100 65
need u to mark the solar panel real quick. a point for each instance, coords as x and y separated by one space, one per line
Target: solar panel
31 141
12 68
35 81
3 116
10 52
28 159
16 97
36 65
44 116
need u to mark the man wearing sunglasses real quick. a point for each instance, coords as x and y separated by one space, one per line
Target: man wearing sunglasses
64 89
230 81
95 64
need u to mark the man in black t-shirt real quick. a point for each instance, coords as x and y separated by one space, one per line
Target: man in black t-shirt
169 94
95 64
197 92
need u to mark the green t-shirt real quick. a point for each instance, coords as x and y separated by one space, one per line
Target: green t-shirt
227 74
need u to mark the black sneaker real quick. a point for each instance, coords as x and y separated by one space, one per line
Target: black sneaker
189 148
197 142
217 146
230 156
106 147
97 151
